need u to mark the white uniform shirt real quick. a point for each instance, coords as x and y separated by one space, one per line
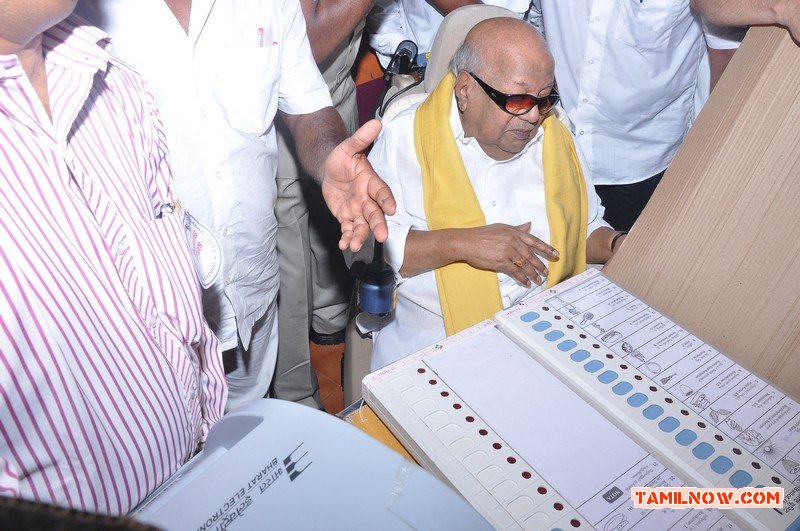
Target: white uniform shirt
627 71
393 21
510 192
218 89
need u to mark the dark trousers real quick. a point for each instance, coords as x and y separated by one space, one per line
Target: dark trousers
624 202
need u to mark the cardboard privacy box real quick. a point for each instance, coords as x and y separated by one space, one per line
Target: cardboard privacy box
718 246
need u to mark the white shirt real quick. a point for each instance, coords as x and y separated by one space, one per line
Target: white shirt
509 191
218 89
627 72
393 21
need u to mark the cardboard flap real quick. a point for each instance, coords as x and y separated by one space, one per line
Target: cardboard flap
718 246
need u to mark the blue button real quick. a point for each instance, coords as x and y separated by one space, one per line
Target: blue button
579 355
593 366
669 424
541 326
740 479
721 464
607 377
554 335
622 388
652 412
529 317
637 399
686 437
703 450
566 346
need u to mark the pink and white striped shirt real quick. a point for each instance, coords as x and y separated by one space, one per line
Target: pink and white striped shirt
109 375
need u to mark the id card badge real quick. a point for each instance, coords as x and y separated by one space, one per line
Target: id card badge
205 250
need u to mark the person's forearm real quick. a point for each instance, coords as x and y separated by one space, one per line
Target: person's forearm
329 22
315 136
429 250
744 12
446 6
718 60
598 245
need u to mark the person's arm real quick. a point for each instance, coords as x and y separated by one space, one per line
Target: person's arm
498 247
599 245
718 60
329 22
352 190
752 12
354 193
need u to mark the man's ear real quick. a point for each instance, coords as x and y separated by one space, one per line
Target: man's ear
462 90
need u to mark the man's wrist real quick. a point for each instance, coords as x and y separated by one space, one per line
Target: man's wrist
615 239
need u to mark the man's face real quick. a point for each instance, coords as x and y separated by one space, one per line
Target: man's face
21 20
500 134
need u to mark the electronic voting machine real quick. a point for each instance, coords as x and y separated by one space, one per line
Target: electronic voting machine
546 416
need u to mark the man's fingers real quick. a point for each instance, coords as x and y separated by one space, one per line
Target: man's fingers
535 243
531 272
362 138
360 234
376 221
516 272
382 194
347 235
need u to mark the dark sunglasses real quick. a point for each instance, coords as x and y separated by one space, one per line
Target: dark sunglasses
518 104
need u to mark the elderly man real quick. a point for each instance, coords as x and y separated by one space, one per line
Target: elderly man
628 74
220 72
110 378
485 172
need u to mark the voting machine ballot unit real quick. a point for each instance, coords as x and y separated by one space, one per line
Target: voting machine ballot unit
272 464
546 416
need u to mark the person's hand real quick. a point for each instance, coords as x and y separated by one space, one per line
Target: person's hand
508 249
354 192
789 17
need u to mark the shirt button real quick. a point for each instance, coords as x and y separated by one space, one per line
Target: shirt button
152 321
224 232
120 247
597 19
494 203
219 175
585 100
591 61
204 113
580 133
229 280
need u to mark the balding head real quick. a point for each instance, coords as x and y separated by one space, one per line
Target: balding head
512 57
499 40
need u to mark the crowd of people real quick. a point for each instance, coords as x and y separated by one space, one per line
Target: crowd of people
179 179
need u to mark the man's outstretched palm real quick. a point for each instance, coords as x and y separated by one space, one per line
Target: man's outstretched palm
354 192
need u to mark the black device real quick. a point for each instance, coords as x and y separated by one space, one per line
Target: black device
376 283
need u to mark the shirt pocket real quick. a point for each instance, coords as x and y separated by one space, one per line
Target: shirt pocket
169 276
647 24
246 87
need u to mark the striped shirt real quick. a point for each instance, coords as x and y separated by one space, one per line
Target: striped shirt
109 375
